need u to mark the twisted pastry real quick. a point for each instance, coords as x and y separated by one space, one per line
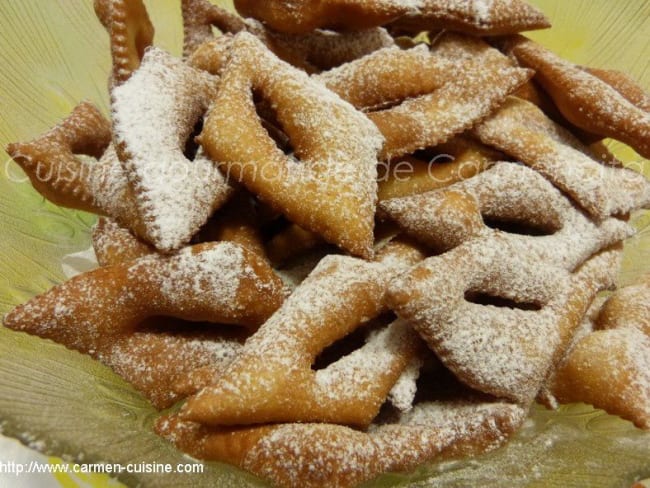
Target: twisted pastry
507 351
130 31
521 130
336 145
446 218
154 114
586 100
272 379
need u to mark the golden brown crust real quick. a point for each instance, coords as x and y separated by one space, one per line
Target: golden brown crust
130 31
291 242
302 192
117 298
165 357
316 455
628 307
114 244
586 100
199 16
387 76
51 161
609 369
418 99
497 17
304 16
624 84
427 121
458 159
236 222
272 380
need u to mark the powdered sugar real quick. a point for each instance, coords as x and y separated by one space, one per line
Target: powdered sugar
154 113
600 189
498 350
508 193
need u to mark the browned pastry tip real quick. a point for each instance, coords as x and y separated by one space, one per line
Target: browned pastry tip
585 99
609 369
118 298
627 307
304 16
130 31
496 17
624 84
52 160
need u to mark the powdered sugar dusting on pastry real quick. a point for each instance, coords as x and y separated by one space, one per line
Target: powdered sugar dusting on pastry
215 273
154 113
509 193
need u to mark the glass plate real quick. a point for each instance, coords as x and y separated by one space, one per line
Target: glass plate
53 54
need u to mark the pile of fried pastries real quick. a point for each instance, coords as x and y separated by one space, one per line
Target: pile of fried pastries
351 237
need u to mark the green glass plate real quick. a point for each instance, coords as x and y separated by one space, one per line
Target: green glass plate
54 53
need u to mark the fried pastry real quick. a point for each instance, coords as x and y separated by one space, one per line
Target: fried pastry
100 312
291 242
312 52
131 33
304 16
138 357
199 16
304 455
623 84
458 159
537 220
333 191
154 114
236 222
52 160
119 297
114 244
521 130
628 307
426 121
479 18
418 100
272 379
609 369
55 164
507 347
387 76
586 100
325 49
